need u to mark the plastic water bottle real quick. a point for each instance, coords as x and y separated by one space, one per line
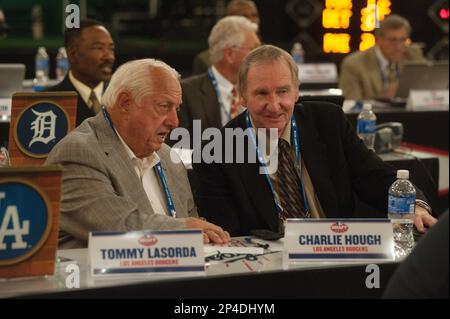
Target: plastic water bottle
297 53
62 64
401 210
366 126
41 70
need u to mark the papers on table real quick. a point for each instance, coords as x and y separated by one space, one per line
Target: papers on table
236 246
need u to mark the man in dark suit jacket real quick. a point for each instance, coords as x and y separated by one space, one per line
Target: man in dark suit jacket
332 162
209 97
244 8
424 273
90 50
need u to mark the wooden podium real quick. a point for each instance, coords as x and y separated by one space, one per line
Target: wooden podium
39 121
29 220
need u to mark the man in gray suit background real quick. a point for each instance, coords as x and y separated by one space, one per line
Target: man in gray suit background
375 72
118 175
209 97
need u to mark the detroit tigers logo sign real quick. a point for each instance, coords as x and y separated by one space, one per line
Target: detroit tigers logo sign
39 127
25 221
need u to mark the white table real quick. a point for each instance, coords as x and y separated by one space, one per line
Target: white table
269 266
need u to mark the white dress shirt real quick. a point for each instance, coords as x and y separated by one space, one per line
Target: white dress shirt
384 66
85 91
145 170
225 88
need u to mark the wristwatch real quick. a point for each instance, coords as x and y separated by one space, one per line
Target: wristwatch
425 205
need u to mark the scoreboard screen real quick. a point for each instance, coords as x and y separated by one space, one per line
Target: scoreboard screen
339 15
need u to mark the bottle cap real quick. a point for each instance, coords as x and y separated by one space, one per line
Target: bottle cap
403 173
367 107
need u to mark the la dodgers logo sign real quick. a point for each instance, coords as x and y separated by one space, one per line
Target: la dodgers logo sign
25 221
39 127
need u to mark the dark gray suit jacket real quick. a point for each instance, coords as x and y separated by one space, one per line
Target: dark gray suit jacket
100 188
424 274
201 62
83 111
237 197
200 102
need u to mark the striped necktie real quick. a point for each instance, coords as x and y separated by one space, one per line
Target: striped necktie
288 184
392 76
95 104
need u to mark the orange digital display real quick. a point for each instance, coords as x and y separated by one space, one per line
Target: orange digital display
336 19
337 14
336 43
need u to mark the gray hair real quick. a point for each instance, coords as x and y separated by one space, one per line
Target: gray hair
262 54
134 77
234 7
226 33
393 22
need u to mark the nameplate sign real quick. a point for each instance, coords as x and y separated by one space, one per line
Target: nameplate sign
428 100
338 240
318 73
146 252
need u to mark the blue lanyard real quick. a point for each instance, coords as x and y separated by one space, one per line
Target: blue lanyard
158 167
108 119
298 166
215 85
295 138
170 204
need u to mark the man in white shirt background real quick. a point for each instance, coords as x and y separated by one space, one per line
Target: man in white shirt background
210 97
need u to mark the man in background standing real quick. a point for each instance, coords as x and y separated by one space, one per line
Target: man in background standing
244 8
211 97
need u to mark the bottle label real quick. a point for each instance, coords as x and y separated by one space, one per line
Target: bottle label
39 88
63 64
366 126
41 65
298 58
402 205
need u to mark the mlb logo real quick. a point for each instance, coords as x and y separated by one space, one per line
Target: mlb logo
29 217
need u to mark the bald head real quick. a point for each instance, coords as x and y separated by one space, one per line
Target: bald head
244 8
